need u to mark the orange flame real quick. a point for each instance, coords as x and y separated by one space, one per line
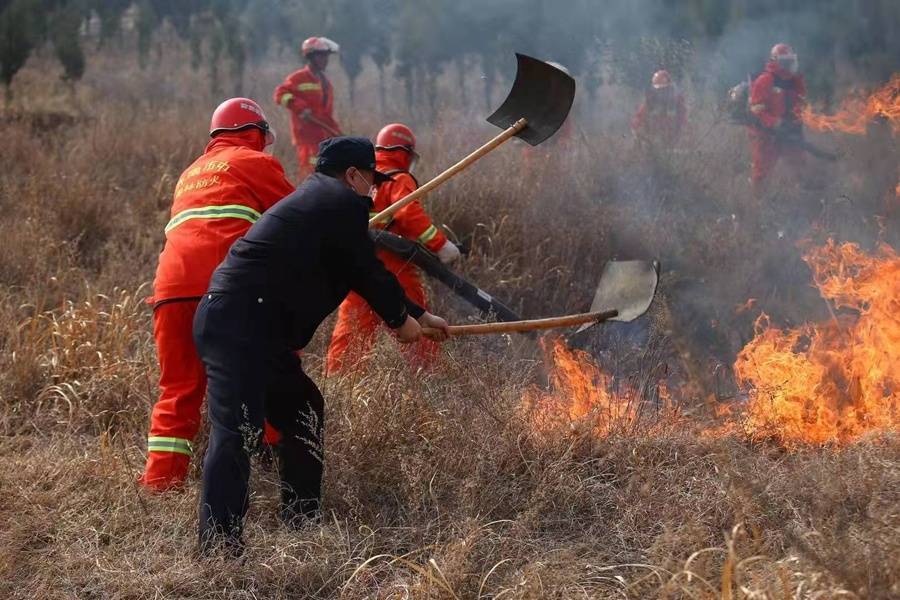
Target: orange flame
857 111
582 394
832 381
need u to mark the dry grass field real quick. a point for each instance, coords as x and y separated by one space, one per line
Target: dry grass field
635 467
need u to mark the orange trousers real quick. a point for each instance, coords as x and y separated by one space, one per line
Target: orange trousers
357 325
765 152
307 155
182 383
176 416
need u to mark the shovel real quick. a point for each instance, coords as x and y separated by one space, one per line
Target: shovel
625 292
537 106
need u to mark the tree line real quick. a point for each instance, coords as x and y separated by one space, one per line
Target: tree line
618 41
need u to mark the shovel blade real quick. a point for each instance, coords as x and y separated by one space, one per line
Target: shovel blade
627 286
542 94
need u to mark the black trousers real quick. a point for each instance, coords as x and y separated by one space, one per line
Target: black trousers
251 378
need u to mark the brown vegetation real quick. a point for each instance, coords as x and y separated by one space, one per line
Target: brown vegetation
439 484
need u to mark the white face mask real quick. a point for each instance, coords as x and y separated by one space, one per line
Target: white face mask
790 65
370 191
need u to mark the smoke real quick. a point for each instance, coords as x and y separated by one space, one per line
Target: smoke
442 66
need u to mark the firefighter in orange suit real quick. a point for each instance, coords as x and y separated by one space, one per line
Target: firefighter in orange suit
662 115
777 98
217 198
357 324
309 97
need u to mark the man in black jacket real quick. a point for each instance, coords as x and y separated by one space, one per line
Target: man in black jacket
276 285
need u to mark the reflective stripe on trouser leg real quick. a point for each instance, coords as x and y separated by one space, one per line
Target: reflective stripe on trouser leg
169 444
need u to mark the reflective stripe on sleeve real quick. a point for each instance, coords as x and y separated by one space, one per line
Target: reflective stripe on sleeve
225 211
285 100
428 235
756 108
309 87
169 444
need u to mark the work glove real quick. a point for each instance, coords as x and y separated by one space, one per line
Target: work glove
448 253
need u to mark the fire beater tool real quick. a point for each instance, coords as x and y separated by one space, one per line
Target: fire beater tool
537 106
328 128
791 139
433 267
625 292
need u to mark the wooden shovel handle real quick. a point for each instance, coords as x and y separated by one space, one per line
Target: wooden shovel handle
457 168
328 128
520 326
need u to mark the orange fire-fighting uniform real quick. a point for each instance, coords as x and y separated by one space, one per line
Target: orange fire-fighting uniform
357 323
305 90
216 200
777 97
660 118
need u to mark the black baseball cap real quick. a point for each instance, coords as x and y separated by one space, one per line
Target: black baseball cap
342 152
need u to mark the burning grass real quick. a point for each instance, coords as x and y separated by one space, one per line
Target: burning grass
429 496
858 110
837 380
507 471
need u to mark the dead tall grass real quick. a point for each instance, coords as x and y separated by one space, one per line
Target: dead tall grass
438 483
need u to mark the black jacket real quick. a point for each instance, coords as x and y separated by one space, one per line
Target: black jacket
305 254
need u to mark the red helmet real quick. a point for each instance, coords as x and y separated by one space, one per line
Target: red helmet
661 79
396 135
319 44
239 113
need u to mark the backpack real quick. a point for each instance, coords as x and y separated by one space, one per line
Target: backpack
737 104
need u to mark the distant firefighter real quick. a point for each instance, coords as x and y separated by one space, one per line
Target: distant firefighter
309 97
662 115
358 323
217 198
777 98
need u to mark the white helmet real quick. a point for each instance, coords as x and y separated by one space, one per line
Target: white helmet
319 44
